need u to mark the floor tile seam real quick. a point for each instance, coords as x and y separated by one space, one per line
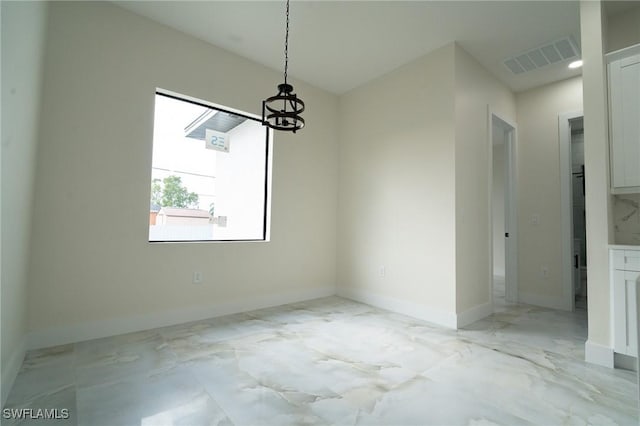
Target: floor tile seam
570 383
180 358
281 391
437 365
509 409
170 342
547 352
25 367
107 359
505 342
523 356
344 360
147 374
536 365
75 405
168 346
472 394
357 365
480 395
75 383
25 402
216 402
205 389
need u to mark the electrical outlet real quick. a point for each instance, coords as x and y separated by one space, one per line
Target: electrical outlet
535 219
544 272
197 277
382 271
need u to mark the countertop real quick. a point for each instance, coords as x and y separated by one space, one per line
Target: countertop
624 247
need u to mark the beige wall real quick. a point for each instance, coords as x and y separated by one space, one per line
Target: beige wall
475 91
23 30
91 259
539 190
623 29
397 188
414 187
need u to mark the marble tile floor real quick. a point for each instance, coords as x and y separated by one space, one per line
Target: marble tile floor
332 361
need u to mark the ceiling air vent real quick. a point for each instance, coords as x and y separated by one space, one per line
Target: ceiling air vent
560 50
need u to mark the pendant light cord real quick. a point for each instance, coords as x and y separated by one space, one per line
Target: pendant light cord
286 47
283 111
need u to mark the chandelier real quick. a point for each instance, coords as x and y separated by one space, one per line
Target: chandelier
282 111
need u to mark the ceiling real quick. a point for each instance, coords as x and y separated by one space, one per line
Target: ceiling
339 45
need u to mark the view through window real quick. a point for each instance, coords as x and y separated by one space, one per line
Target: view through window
209 175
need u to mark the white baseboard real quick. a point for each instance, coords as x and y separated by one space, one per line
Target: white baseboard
595 353
110 327
12 369
435 316
544 301
474 314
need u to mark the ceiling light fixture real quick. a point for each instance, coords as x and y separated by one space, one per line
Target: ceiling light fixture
282 111
576 64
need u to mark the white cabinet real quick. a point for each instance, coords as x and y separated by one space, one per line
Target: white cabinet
624 119
625 278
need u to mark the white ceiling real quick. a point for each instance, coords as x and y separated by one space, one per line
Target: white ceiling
339 45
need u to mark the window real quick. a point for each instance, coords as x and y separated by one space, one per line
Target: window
209 174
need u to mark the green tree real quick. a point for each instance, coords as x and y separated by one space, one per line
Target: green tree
171 193
156 192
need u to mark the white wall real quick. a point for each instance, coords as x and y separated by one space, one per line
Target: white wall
597 199
498 204
539 190
240 176
93 271
476 90
397 190
23 31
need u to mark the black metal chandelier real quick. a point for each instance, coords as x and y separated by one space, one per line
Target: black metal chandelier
282 111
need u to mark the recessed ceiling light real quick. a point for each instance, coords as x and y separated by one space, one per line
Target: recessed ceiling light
576 64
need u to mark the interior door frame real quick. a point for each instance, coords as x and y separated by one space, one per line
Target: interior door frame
511 203
566 203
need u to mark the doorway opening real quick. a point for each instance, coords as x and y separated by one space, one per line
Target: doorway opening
572 183
503 212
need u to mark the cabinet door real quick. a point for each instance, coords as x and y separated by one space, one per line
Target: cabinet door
625 317
624 96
